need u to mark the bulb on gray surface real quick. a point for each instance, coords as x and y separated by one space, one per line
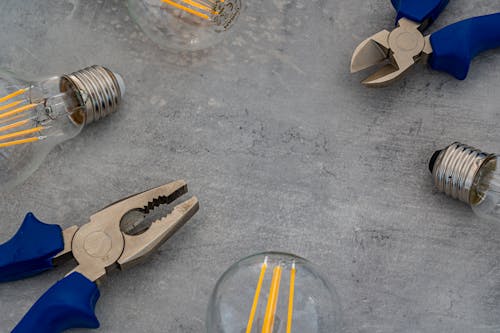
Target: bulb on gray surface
273 292
36 116
185 25
469 175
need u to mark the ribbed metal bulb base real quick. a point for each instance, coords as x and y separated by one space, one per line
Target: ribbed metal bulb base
97 90
455 168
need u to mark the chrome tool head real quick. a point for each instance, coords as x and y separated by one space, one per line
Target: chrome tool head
114 239
400 49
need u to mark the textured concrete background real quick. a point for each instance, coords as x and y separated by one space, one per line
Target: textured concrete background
285 150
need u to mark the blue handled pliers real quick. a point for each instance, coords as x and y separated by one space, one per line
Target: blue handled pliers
450 49
116 237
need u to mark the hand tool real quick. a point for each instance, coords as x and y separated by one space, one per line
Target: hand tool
450 49
114 238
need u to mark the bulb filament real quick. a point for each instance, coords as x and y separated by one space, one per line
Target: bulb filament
256 296
272 301
197 8
10 114
290 299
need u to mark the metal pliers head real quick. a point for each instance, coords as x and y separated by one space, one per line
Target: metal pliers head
399 49
115 238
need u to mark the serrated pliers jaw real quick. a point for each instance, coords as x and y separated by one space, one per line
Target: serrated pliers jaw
399 49
104 244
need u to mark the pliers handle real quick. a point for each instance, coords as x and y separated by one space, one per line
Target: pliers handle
454 46
422 11
67 304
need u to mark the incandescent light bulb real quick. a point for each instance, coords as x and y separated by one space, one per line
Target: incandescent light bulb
186 25
273 292
36 116
469 175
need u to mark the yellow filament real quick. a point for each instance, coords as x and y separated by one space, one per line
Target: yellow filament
186 9
18 110
10 105
12 95
206 3
272 301
12 118
14 125
256 296
21 133
198 5
290 300
19 142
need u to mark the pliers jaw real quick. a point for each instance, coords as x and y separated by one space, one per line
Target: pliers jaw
400 49
106 243
139 246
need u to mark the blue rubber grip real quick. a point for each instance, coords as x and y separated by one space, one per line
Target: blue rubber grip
419 10
70 303
31 249
454 46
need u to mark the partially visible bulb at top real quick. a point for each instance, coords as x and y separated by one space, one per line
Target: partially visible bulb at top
36 116
185 25
469 175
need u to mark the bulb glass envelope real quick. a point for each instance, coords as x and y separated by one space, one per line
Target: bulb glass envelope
273 293
185 24
34 117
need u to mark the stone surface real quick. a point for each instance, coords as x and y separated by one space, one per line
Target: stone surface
285 150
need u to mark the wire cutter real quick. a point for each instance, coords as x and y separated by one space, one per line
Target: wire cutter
450 49
114 238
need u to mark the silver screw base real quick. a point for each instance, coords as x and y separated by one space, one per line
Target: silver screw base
97 90
455 168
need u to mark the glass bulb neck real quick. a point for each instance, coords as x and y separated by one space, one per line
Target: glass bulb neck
96 90
455 168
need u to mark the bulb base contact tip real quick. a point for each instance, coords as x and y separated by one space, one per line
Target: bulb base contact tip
433 159
454 170
97 90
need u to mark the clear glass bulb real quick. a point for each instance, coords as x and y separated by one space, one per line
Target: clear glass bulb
186 25
35 116
273 292
470 175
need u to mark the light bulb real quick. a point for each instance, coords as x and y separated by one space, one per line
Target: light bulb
36 116
185 24
469 175
273 292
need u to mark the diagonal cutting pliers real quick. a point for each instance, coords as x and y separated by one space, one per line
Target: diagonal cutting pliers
115 237
450 49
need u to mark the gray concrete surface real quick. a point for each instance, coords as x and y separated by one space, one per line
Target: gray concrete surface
285 150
